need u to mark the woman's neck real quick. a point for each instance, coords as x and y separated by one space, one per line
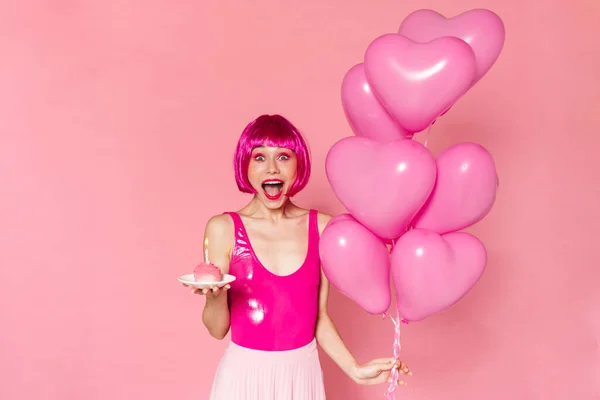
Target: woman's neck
257 209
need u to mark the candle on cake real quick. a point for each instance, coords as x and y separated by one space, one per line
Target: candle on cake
206 271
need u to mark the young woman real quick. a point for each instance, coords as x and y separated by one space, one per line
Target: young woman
277 306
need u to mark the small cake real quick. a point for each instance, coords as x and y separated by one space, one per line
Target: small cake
207 272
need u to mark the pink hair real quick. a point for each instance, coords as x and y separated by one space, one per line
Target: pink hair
275 131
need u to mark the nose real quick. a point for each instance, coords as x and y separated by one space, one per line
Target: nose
273 169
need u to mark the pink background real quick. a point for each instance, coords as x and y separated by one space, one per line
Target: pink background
117 124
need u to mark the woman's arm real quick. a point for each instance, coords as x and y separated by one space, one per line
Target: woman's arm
219 232
328 336
374 372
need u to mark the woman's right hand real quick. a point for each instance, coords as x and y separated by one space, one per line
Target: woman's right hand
213 292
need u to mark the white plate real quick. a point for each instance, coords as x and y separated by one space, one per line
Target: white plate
188 279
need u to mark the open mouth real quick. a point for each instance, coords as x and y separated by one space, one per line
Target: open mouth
273 188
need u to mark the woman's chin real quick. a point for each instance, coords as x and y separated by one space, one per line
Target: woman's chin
273 204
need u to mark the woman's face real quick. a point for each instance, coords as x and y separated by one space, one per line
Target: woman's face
272 172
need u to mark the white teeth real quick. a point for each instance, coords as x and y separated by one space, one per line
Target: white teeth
273 183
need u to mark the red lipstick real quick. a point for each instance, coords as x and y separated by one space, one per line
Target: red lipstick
272 188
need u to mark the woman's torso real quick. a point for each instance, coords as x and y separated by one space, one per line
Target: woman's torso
269 311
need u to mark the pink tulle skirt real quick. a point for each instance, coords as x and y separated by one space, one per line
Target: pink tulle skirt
246 374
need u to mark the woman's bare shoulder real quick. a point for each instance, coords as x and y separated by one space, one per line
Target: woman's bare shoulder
323 219
220 224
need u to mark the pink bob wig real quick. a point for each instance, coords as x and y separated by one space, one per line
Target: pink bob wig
273 131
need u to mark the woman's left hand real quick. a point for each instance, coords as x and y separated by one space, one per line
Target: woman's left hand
378 371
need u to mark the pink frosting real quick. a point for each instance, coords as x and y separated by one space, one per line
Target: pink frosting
207 273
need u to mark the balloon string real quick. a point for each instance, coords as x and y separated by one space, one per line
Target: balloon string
427 135
390 394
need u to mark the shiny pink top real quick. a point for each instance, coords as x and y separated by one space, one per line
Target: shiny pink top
273 312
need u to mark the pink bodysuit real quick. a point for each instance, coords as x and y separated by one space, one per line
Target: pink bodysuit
272 312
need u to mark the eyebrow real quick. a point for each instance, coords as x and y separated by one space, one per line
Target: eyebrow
279 149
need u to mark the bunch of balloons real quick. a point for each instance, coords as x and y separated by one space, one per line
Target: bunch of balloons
406 208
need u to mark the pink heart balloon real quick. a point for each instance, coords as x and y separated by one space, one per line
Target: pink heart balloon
364 113
482 29
357 263
464 192
341 217
345 217
417 82
431 272
383 185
